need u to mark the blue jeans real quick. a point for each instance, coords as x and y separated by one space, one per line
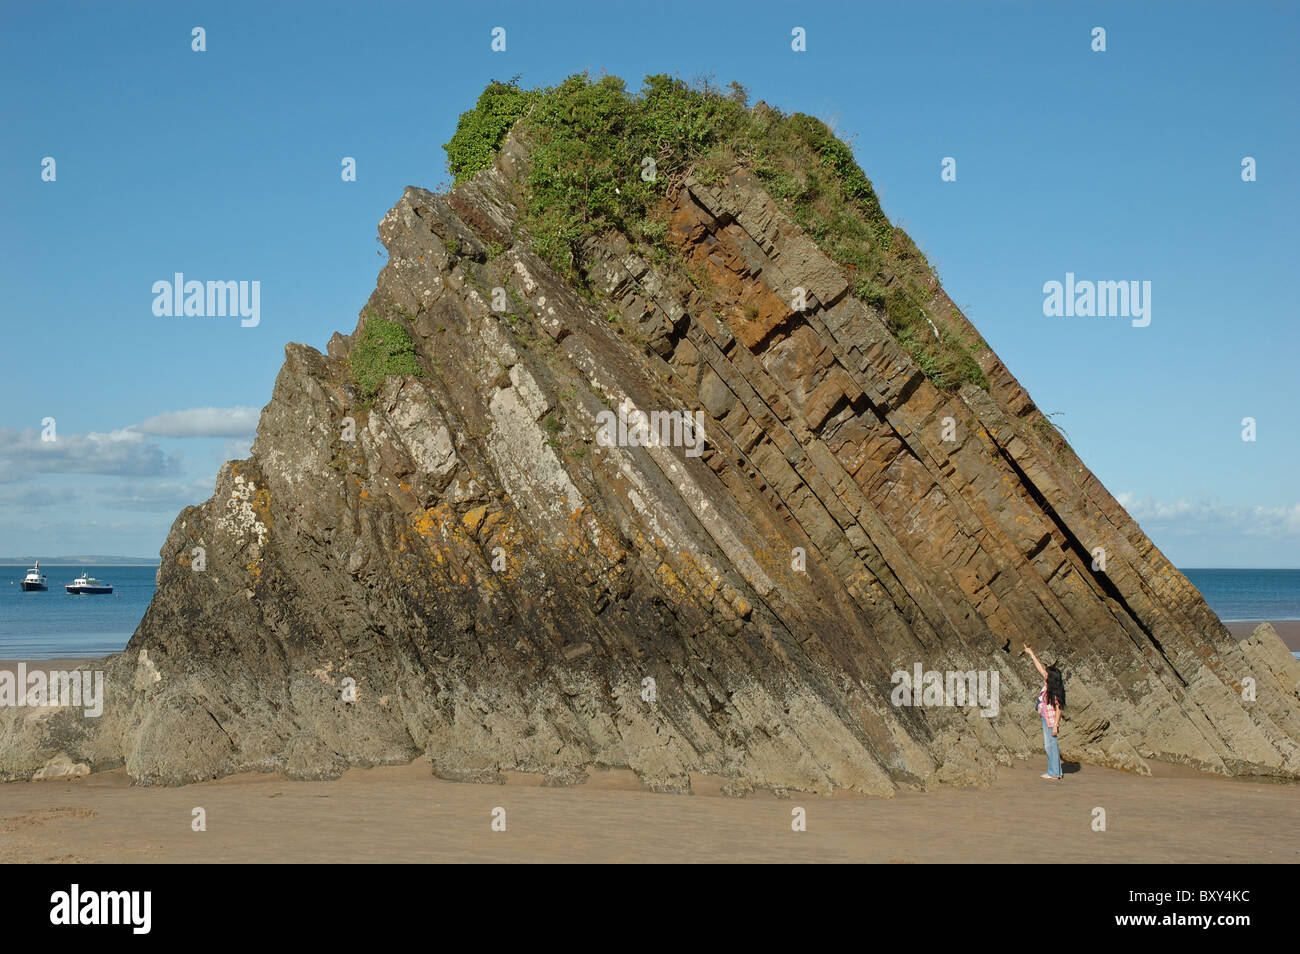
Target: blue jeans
1053 750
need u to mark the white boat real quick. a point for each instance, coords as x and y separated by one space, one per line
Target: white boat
34 581
88 585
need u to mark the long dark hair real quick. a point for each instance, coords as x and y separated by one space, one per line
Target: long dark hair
1055 687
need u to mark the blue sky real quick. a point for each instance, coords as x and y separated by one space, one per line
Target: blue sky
1122 165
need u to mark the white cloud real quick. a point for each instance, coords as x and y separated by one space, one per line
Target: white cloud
203 422
165 496
236 449
1209 514
124 453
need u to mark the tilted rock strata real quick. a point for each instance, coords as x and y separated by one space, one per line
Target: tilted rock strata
502 592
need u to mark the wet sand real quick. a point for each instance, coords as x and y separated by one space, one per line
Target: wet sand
1288 629
45 665
404 814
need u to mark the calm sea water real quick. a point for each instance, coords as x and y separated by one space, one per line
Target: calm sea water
53 624
1249 594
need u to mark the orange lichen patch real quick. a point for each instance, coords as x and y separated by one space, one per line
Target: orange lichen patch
404 486
603 541
703 578
475 517
254 570
426 522
365 494
431 520
261 504
669 579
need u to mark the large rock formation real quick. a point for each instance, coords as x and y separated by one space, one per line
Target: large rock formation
462 570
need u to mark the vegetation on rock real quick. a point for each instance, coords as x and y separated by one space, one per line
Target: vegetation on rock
590 144
383 347
481 130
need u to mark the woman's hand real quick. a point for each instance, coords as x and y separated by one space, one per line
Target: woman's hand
1037 664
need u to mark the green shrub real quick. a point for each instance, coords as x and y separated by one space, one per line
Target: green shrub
589 140
480 131
383 348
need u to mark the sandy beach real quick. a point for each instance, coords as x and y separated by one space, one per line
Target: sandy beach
1287 629
404 814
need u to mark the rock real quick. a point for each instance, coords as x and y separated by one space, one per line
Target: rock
715 396
737 788
476 579
61 767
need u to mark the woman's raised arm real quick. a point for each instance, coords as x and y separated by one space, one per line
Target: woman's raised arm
1041 671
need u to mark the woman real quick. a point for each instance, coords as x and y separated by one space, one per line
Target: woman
1051 700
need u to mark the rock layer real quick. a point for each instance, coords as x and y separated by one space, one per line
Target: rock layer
461 570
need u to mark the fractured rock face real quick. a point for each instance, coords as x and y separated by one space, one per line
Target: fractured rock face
462 570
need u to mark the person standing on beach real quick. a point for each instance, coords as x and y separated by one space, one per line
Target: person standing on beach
1051 700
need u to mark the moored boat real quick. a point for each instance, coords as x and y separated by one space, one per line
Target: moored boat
34 581
88 586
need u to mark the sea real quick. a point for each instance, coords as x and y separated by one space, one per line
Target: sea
55 625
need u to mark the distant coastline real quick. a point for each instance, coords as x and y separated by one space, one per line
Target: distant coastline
1261 619
90 560
1246 569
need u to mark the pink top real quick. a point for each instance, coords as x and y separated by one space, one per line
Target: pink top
1051 713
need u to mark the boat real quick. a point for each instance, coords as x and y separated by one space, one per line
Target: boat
88 585
34 581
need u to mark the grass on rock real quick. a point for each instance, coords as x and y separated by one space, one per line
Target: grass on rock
383 348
